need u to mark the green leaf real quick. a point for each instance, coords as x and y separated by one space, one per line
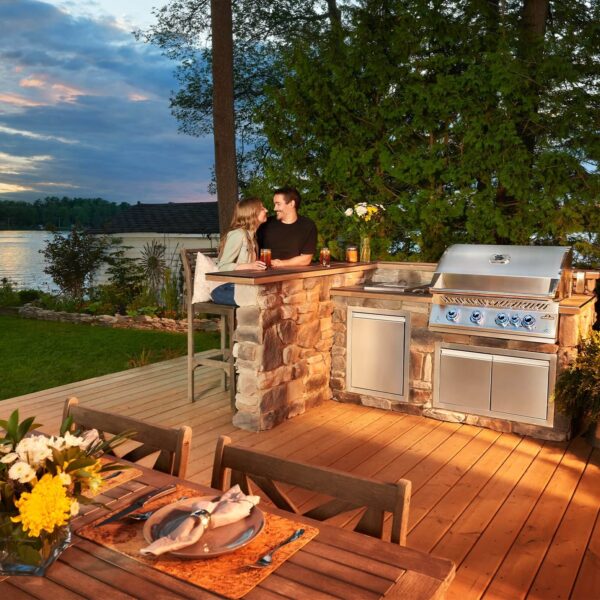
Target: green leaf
26 426
80 463
28 554
66 425
13 425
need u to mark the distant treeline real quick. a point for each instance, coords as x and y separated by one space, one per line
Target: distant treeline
57 213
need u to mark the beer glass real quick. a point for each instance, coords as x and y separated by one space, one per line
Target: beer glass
265 256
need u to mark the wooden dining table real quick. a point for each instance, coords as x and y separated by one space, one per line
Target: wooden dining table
337 563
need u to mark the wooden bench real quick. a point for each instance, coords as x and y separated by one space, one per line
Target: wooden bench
221 358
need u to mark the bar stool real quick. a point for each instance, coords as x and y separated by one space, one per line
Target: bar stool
221 358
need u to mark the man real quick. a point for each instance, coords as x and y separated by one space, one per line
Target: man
291 237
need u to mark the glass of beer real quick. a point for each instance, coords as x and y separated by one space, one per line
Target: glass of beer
265 256
325 257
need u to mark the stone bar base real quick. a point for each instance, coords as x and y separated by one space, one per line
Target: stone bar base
282 350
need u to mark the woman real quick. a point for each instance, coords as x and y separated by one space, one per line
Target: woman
238 249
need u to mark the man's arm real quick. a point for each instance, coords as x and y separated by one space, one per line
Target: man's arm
303 260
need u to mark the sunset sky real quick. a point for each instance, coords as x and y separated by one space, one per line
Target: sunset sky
84 107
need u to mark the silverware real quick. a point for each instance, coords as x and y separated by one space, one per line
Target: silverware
112 475
137 504
144 516
267 559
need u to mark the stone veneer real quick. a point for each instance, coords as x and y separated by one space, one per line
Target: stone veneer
422 345
282 350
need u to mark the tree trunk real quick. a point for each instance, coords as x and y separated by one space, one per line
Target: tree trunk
223 110
532 28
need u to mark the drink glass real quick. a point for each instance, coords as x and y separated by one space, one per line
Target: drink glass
265 256
325 257
351 254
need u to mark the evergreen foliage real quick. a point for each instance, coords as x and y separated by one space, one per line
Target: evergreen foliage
57 213
471 120
452 112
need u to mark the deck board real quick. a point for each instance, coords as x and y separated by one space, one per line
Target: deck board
520 517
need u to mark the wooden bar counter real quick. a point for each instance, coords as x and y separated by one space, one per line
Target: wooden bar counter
283 338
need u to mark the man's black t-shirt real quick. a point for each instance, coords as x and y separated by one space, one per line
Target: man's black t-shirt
288 240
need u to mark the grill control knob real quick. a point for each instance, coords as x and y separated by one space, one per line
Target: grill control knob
476 317
528 321
515 320
502 319
452 314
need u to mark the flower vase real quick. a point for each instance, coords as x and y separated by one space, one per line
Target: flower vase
32 556
365 249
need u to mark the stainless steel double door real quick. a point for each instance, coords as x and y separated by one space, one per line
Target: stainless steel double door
494 384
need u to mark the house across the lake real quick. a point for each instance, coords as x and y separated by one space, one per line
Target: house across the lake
175 225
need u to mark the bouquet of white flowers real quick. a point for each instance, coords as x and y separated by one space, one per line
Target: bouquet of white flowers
366 218
42 481
366 221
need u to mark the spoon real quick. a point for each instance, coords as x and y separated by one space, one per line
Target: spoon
267 559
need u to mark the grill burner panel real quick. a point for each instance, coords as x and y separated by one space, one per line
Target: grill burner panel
511 323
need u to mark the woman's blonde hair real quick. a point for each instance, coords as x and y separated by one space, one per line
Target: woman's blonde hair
245 217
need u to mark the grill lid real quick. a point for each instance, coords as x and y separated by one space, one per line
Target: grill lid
521 271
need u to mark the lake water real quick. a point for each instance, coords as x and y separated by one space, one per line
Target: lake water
20 260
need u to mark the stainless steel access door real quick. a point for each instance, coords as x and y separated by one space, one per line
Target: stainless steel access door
520 386
464 381
377 361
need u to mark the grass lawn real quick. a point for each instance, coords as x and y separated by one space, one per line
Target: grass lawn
36 355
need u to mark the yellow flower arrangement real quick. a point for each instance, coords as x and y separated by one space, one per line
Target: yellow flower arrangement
366 218
42 483
46 507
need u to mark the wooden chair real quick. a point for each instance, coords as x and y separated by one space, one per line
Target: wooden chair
172 446
221 358
348 492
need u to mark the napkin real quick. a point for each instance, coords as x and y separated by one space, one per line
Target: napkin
232 506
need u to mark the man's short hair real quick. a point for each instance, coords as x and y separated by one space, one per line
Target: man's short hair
289 194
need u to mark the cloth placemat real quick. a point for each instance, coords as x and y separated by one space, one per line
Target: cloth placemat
229 574
127 474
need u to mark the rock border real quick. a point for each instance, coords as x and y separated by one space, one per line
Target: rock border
118 321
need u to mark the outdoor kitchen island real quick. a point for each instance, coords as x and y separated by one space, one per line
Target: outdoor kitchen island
467 367
359 333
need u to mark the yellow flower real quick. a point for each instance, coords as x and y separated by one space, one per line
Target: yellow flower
46 507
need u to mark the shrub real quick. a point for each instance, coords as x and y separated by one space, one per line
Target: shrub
8 296
73 260
577 389
56 302
28 295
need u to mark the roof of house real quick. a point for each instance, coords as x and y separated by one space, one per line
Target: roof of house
184 217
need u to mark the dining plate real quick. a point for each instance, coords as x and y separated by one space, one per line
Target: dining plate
213 542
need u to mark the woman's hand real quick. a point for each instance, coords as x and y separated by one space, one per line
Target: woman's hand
257 265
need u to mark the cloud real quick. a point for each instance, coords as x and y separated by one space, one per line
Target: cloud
82 91
17 100
15 165
36 136
10 188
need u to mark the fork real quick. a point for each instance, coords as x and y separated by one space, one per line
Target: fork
267 559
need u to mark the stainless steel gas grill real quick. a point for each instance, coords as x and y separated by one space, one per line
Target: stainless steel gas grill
509 292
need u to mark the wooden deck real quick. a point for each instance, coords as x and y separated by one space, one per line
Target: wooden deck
520 517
